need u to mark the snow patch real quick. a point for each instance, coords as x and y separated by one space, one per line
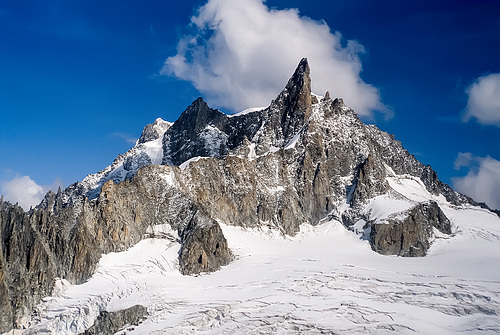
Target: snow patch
154 149
191 160
168 177
384 206
252 154
247 111
213 138
293 141
60 286
126 166
162 230
413 189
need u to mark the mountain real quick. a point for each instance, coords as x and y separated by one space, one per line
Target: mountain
305 165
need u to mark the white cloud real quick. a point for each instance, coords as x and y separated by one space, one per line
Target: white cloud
464 159
25 191
484 100
126 137
242 53
482 182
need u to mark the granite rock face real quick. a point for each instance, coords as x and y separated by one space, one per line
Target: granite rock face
410 235
303 159
204 247
27 267
108 323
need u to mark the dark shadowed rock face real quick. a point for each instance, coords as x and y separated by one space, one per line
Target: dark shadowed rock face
108 323
206 132
410 235
27 267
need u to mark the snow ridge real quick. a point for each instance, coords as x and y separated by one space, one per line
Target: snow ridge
148 150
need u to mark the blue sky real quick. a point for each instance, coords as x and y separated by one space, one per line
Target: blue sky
80 79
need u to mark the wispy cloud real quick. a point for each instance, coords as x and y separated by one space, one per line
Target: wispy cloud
241 53
482 181
484 100
25 191
125 137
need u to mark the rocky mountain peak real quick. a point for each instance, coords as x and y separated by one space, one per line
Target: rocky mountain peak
197 116
293 105
298 90
298 161
301 76
197 132
154 131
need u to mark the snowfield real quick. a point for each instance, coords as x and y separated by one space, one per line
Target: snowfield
324 280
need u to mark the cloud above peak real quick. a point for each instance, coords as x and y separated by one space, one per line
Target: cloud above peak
25 191
241 54
482 181
484 100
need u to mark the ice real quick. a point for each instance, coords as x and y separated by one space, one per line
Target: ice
154 150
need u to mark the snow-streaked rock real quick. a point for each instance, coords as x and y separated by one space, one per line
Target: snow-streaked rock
147 151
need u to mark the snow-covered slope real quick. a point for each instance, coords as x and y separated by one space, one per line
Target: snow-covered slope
147 150
324 280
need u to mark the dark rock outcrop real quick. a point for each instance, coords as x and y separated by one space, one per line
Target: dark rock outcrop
108 323
26 266
409 236
204 247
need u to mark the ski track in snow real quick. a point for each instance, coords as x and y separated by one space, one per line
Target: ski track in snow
325 280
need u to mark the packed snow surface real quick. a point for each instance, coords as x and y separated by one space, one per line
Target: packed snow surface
323 280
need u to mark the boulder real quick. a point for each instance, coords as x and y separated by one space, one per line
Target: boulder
409 235
108 323
204 247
